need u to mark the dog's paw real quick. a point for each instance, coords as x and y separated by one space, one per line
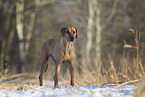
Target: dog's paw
56 86
72 83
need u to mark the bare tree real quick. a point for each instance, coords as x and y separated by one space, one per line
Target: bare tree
100 26
95 11
20 31
24 35
7 30
89 31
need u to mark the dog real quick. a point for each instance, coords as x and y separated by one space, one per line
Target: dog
60 50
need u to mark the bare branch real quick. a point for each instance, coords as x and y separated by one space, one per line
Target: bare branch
40 3
111 14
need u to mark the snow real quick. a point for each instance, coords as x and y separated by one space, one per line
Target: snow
67 91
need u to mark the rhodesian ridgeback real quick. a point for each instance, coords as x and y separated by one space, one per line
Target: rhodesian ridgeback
60 50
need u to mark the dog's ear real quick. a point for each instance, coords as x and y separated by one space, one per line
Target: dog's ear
63 31
76 32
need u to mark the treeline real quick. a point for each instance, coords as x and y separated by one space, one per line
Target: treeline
103 29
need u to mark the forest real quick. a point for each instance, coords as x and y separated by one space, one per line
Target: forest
110 46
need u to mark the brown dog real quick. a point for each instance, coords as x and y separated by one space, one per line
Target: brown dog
60 50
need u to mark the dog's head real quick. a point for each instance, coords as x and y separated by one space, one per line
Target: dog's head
70 33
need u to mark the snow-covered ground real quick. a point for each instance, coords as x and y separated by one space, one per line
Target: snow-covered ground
67 91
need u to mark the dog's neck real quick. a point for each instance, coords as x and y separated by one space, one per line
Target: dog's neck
65 44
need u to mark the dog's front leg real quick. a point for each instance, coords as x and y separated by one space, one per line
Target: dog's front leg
72 72
58 66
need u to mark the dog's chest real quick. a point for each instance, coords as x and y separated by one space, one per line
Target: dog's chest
67 52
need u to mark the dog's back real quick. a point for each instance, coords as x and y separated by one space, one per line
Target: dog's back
48 46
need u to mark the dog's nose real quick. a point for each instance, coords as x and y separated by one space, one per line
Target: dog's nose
72 38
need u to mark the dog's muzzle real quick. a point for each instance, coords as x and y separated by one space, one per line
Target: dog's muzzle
72 39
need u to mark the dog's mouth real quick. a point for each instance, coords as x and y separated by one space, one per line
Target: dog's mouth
72 39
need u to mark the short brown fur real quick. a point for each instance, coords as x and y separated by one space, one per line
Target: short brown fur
60 50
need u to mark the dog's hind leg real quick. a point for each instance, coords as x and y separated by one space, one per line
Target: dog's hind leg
44 65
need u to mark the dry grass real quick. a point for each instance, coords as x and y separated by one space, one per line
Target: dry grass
140 90
131 71
13 81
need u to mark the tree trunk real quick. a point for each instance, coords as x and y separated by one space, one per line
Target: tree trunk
100 26
89 32
19 27
98 35
29 31
8 43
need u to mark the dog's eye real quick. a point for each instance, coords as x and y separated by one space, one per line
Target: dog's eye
74 32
